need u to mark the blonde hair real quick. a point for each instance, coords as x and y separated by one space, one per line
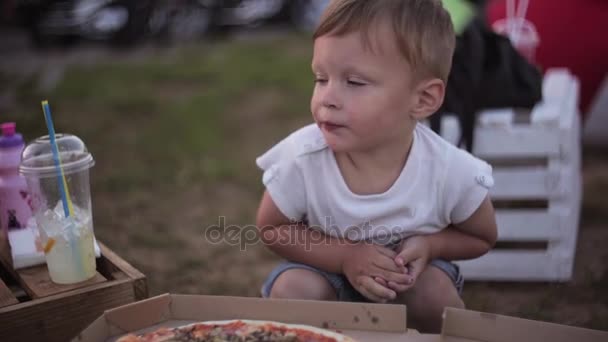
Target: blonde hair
423 29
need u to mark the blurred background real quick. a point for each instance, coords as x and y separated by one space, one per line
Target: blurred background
176 99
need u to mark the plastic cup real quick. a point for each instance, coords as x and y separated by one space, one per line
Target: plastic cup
523 36
70 253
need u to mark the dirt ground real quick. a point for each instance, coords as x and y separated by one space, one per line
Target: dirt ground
175 133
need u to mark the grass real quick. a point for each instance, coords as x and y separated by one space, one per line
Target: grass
175 135
145 239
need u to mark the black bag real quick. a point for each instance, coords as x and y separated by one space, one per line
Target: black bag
487 72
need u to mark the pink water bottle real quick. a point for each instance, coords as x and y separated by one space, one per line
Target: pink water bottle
14 207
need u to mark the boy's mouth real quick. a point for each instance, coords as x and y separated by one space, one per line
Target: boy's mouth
330 126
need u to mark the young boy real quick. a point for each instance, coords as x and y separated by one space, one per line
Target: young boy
368 204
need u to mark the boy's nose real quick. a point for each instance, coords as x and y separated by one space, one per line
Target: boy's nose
331 97
330 104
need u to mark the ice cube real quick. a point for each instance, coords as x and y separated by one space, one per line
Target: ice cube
59 209
80 215
69 227
55 223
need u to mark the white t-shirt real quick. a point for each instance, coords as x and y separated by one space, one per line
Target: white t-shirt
439 185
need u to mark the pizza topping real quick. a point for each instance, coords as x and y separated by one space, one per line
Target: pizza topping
237 331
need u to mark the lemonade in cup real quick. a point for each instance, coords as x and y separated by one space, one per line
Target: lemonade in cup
68 239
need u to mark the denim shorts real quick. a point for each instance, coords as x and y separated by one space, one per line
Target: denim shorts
344 290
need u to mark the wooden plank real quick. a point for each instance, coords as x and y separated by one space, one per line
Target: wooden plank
140 284
570 133
516 141
61 317
36 278
37 282
560 97
495 117
554 182
517 266
557 225
6 295
557 85
524 183
548 135
19 293
5 251
120 264
7 268
529 225
547 114
569 106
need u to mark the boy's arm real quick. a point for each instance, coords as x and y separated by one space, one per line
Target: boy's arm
466 240
358 261
294 241
469 239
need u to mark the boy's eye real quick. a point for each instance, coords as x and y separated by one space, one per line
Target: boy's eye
355 83
320 80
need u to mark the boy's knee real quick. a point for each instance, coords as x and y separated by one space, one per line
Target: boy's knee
427 309
433 292
302 284
438 289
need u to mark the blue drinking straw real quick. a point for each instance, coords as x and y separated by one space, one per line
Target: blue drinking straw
63 186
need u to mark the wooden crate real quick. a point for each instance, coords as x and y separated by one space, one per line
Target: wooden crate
32 308
537 193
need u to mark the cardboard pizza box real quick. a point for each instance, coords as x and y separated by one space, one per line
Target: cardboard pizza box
362 321
471 326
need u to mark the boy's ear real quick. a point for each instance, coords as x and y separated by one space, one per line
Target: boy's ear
429 97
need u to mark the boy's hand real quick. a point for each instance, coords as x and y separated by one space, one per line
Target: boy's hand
368 261
413 254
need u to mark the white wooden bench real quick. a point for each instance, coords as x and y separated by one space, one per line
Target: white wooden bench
537 193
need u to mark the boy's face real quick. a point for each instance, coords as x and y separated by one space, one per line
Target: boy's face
362 95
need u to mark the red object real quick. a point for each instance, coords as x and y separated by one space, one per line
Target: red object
8 128
573 34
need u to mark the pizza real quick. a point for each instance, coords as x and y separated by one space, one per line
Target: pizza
239 331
